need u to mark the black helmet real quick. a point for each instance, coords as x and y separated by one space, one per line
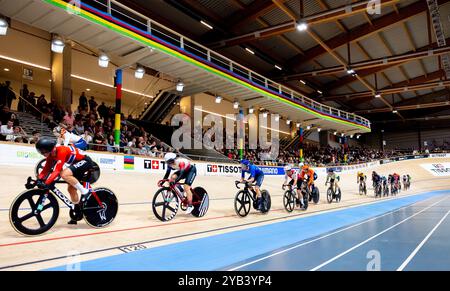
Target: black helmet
45 145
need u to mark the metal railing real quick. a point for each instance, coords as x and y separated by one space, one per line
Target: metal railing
148 27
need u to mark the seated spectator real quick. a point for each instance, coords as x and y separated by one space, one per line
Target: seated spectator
35 138
19 135
7 130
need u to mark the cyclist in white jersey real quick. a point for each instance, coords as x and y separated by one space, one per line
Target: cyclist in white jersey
70 138
291 177
183 170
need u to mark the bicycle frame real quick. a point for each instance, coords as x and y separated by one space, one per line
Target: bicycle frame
249 189
183 199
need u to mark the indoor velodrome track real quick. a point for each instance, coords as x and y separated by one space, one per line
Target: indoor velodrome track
407 232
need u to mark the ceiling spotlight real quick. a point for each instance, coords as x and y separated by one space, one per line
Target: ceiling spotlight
377 95
302 26
298 125
265 114
319 129
139 73
277 117
350 71
320 92
394 111
303 82
236 105
103 60
342 134
308 127
57 45
180 86
250 110
351 136
278 67
6 69
3 26
335 132
206 24
358 136
288 121
88 89
218 99
249 50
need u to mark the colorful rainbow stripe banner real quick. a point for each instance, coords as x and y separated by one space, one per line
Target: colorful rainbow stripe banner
110 22
128 162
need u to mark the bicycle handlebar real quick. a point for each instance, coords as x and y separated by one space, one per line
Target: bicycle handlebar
247 184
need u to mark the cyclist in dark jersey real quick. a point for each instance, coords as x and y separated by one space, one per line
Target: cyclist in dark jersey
256 175
56 157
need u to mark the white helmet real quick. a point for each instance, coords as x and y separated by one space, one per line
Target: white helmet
170 157
300 165
287 168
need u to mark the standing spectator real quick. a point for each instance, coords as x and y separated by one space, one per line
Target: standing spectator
10 96
24 93
102 111
92 104
41 102
83 102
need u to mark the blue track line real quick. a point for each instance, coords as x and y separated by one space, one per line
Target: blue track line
237 247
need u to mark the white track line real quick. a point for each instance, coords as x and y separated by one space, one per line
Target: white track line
372 237
324 236
411 256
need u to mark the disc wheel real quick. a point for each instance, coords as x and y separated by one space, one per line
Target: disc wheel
289 200
165 204
97 215
316 195
34 212
266 201
242 203
200 201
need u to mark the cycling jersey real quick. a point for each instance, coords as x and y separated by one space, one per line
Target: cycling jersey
311 176
68 137
332 177
292 174
184 170
255 173
253 170
59 156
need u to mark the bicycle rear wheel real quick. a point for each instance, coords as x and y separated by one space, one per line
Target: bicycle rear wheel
28 205
97 215
266 202
200 201
165 204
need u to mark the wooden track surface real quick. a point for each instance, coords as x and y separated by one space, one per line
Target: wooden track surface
136 224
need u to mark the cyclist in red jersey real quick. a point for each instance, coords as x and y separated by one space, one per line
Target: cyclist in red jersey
56 157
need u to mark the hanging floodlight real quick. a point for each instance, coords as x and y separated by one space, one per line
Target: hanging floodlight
57 45
139 73
180 86
103 60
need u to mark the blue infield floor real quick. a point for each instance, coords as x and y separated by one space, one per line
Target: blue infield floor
407 233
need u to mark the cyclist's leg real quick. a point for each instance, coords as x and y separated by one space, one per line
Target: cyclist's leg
299 191
72 175
189 180
258 180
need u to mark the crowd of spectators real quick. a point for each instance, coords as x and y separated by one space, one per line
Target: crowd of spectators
95 123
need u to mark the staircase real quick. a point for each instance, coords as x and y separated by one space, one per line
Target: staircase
30 123
159 107
295 142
